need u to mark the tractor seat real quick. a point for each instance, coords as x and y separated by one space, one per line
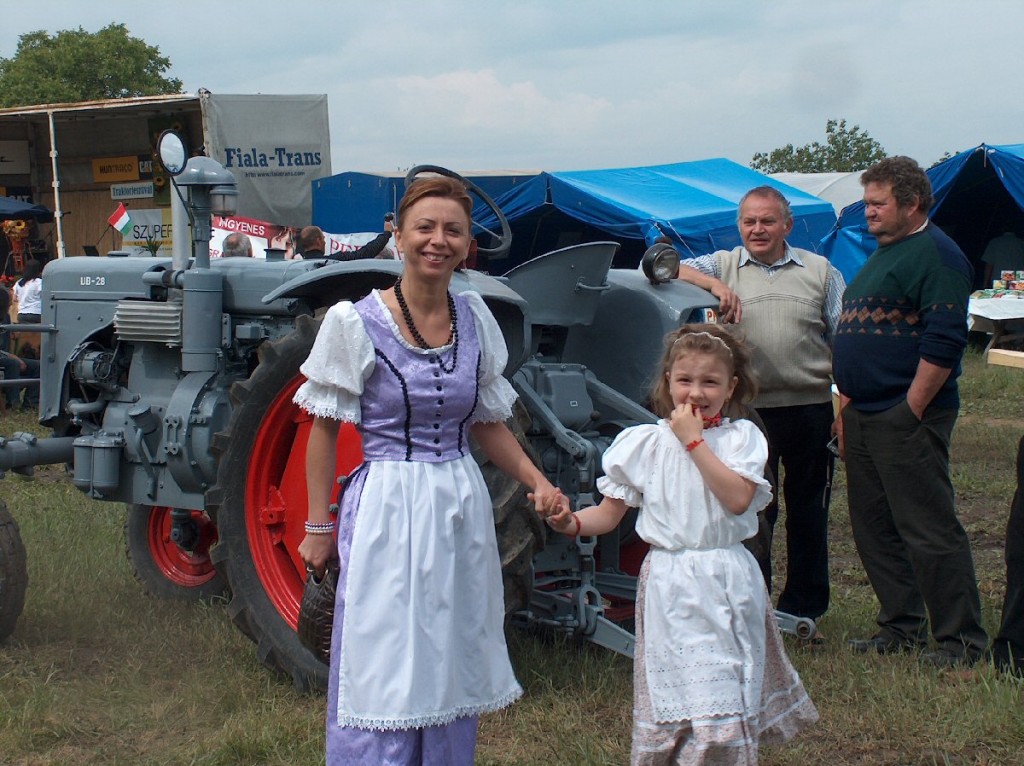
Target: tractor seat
563 287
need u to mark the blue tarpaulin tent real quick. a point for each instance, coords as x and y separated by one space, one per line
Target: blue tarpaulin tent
693 203
978 193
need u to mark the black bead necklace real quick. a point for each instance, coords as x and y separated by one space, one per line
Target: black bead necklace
453 337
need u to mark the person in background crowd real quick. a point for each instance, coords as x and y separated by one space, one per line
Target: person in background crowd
28 292
1003 253
313 244
786 302
14 368
1008 645
897 352
236 245
5 318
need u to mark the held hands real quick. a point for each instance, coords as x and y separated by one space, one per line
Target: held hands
563 522
548 500
687 423
553 507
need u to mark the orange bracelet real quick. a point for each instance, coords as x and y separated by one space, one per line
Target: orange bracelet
579 526
694 444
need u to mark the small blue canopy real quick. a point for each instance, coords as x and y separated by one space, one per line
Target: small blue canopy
692 203
11 208
979 194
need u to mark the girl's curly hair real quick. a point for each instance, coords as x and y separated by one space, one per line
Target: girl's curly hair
703 339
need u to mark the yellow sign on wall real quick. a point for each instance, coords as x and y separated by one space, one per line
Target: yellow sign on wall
112 169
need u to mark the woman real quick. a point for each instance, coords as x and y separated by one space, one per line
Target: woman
27 290
418 647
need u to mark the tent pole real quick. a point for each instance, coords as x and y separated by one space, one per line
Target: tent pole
58 215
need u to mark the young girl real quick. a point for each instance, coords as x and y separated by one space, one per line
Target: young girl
711 678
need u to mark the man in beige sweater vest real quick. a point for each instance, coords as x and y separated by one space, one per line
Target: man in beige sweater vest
785 302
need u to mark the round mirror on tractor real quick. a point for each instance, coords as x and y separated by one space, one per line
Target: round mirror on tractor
170 148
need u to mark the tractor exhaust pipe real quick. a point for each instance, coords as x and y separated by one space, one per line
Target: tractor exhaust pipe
22 451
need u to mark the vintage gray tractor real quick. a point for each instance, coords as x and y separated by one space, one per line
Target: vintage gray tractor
167 386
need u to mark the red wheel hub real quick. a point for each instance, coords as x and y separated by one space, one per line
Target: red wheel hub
276 500
183 568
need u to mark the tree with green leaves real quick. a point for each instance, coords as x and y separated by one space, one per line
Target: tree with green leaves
846 149
75 65
947 155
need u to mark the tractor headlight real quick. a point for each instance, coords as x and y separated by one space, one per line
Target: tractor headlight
224 200
660 263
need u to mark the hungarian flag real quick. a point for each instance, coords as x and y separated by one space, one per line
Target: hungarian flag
120 219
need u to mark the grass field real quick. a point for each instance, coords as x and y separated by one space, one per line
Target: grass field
96 672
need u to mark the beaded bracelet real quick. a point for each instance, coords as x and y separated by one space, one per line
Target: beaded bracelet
579 526
694 444
319 527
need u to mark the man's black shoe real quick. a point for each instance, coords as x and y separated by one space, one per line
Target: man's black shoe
946 657
882 645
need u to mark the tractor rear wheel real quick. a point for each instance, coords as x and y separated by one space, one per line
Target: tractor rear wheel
13 573
517 526
164 569
259 505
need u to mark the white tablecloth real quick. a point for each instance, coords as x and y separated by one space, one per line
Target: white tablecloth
981 312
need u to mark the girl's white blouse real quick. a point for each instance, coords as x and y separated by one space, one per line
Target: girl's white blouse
649 468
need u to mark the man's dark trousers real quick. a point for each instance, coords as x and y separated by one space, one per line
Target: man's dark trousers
911 543
797 437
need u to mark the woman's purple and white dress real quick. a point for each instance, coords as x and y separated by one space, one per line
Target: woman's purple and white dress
418 634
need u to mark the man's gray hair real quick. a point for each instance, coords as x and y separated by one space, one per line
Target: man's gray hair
769 192
237 245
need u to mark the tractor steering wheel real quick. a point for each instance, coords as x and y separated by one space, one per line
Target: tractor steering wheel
504 239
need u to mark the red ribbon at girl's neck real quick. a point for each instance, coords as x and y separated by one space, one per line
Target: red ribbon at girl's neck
713 421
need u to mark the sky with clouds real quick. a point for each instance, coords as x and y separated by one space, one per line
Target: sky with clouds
577 84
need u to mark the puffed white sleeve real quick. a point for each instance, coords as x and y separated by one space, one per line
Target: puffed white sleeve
496 395
627 464
340 362
747 456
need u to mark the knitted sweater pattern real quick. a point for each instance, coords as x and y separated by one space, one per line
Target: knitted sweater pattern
908 302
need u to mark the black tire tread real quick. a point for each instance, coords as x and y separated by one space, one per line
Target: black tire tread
518 529
148 574
13 573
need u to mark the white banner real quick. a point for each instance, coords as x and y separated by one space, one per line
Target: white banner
151 232
275 146
340 243
139 190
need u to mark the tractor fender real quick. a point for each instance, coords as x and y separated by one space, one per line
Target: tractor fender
623 344
351 280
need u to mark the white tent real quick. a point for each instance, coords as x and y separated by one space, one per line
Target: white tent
840 189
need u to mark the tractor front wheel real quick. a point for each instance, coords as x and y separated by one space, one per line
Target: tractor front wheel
163 568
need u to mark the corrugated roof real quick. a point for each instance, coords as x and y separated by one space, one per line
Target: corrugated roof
105 105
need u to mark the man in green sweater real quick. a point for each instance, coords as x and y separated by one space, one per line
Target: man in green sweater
896 357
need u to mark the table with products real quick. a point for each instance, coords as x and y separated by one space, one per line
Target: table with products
995 311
